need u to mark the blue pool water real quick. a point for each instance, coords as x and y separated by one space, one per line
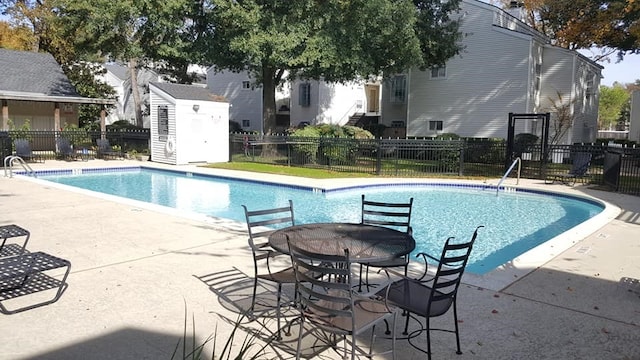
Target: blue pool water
514 221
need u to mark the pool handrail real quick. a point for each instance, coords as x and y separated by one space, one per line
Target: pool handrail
516 161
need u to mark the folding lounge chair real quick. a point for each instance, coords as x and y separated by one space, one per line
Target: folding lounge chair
23 273
64 149
106 151
579 169
23 149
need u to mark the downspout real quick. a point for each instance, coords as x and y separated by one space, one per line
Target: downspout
407 113
572 98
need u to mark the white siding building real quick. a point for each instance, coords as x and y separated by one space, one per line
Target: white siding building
505 67
300 101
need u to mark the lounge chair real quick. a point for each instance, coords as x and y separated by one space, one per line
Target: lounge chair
23 273
105 150
64 150
396 215
329 304
579 170
23 149
436 296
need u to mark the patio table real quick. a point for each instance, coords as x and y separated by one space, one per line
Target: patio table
366 243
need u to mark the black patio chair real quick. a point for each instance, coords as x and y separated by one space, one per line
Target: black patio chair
105 150
64 150
396 215
329 303
579 170
436 296
23 149
264 255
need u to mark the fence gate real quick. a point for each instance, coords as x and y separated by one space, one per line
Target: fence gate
542 132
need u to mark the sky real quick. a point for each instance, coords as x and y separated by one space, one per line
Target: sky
627 71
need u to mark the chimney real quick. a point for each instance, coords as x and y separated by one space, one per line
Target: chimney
516 9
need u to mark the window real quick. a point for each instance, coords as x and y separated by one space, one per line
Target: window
163 120
246 85
435 125
304 97
589 89
438 72
246 123
399 89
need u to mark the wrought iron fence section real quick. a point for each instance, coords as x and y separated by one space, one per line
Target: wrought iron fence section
429 157
44 143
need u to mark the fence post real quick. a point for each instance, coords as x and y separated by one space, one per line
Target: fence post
461 167
378 156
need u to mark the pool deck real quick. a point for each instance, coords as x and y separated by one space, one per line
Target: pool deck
137 270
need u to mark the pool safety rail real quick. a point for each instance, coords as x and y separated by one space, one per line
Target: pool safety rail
517 161
10 160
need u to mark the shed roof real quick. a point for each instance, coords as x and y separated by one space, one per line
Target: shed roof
28 75
188 92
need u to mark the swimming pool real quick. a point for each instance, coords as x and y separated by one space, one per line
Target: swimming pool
514 221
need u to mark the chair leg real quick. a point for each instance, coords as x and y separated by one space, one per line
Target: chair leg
278 336
427 329
253 297
360 279
455 321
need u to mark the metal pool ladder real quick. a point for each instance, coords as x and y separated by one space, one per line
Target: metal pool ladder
516 161
10 160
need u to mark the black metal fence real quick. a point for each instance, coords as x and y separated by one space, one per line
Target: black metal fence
429 157
43 143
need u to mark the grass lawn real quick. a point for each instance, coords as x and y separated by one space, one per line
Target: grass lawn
288 170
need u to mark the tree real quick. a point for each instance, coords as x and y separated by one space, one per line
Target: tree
332 40
612 102
16 38
34 26
137 32
583 24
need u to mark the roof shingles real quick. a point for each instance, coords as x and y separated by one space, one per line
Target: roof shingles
31 72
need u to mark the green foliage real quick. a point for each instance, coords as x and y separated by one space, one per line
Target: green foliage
447 136
611 105
305 144
82 76
122 125
76 136
23 132
193 350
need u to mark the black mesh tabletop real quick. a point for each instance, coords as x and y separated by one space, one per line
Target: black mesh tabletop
366 243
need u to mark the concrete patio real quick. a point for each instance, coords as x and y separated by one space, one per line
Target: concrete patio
139 271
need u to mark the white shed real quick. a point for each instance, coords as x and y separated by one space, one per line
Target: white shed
188 124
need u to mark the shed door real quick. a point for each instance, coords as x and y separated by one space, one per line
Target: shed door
199 146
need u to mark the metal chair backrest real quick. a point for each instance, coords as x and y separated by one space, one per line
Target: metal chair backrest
446 282
64 146
23 148
325 289
261 223
396 215
580 165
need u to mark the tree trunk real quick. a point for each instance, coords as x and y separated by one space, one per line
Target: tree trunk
268 100
137 101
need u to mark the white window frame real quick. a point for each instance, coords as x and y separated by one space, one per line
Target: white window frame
436 125
398 93
246 85
439 72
